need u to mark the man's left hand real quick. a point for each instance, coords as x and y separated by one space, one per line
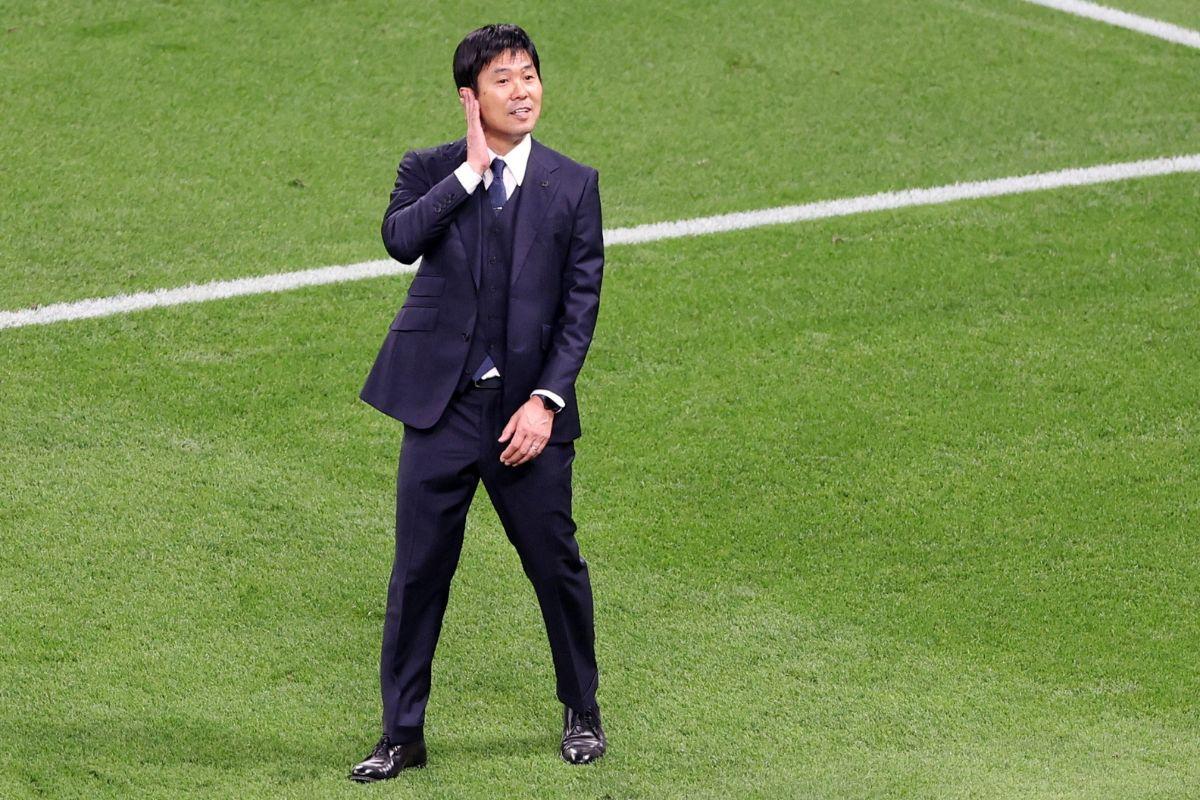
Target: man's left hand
530 430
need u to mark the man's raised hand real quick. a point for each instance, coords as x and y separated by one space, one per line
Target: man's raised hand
477 148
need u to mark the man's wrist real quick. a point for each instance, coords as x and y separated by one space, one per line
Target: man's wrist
550 401
468 177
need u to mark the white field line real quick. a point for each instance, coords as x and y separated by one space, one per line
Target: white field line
1123 19
199 293
285 281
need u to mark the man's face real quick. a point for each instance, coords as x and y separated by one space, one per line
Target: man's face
510 94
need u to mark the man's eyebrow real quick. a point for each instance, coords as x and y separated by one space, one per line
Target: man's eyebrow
505 69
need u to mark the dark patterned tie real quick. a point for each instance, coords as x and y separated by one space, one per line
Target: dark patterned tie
496 193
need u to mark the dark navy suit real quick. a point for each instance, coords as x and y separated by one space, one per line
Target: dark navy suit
524 286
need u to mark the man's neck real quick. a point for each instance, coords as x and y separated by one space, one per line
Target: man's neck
501 145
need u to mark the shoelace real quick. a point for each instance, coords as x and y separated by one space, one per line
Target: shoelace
584 725
382 749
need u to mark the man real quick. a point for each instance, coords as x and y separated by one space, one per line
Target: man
480 365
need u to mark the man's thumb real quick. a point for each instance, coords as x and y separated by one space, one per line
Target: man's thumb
508 430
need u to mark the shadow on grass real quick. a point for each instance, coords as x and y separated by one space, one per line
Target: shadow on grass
230 746
482 746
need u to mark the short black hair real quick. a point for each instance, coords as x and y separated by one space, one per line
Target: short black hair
482 45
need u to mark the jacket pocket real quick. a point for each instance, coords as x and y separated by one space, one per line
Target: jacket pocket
547 333
427 286
415 318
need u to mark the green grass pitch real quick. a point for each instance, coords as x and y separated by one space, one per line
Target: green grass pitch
896 505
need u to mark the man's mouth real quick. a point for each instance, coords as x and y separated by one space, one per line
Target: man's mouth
522 111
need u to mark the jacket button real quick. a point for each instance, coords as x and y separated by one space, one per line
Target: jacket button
466 336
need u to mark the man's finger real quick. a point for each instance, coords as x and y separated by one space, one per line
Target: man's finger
508 429
518 443
511 449
534 452
516 448
537 445
522 458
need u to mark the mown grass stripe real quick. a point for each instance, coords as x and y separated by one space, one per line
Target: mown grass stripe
657 231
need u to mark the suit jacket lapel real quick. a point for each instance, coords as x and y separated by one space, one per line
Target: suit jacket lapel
469 222
537 190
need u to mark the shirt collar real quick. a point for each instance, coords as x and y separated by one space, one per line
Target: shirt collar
516 159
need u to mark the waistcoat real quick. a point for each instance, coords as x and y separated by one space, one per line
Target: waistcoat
495 267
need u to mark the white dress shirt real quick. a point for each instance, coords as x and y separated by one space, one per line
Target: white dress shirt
515 162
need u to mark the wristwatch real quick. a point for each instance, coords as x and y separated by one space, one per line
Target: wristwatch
548 404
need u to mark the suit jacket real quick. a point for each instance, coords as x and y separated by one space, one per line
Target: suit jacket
554 288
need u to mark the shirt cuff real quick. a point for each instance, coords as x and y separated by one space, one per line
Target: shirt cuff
468 177
558 401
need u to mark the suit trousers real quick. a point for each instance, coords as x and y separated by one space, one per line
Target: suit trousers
440 469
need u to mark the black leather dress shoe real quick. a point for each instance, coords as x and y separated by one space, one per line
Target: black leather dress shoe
387 759
583 739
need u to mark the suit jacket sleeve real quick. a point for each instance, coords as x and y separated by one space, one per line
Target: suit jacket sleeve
583 272
418 213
